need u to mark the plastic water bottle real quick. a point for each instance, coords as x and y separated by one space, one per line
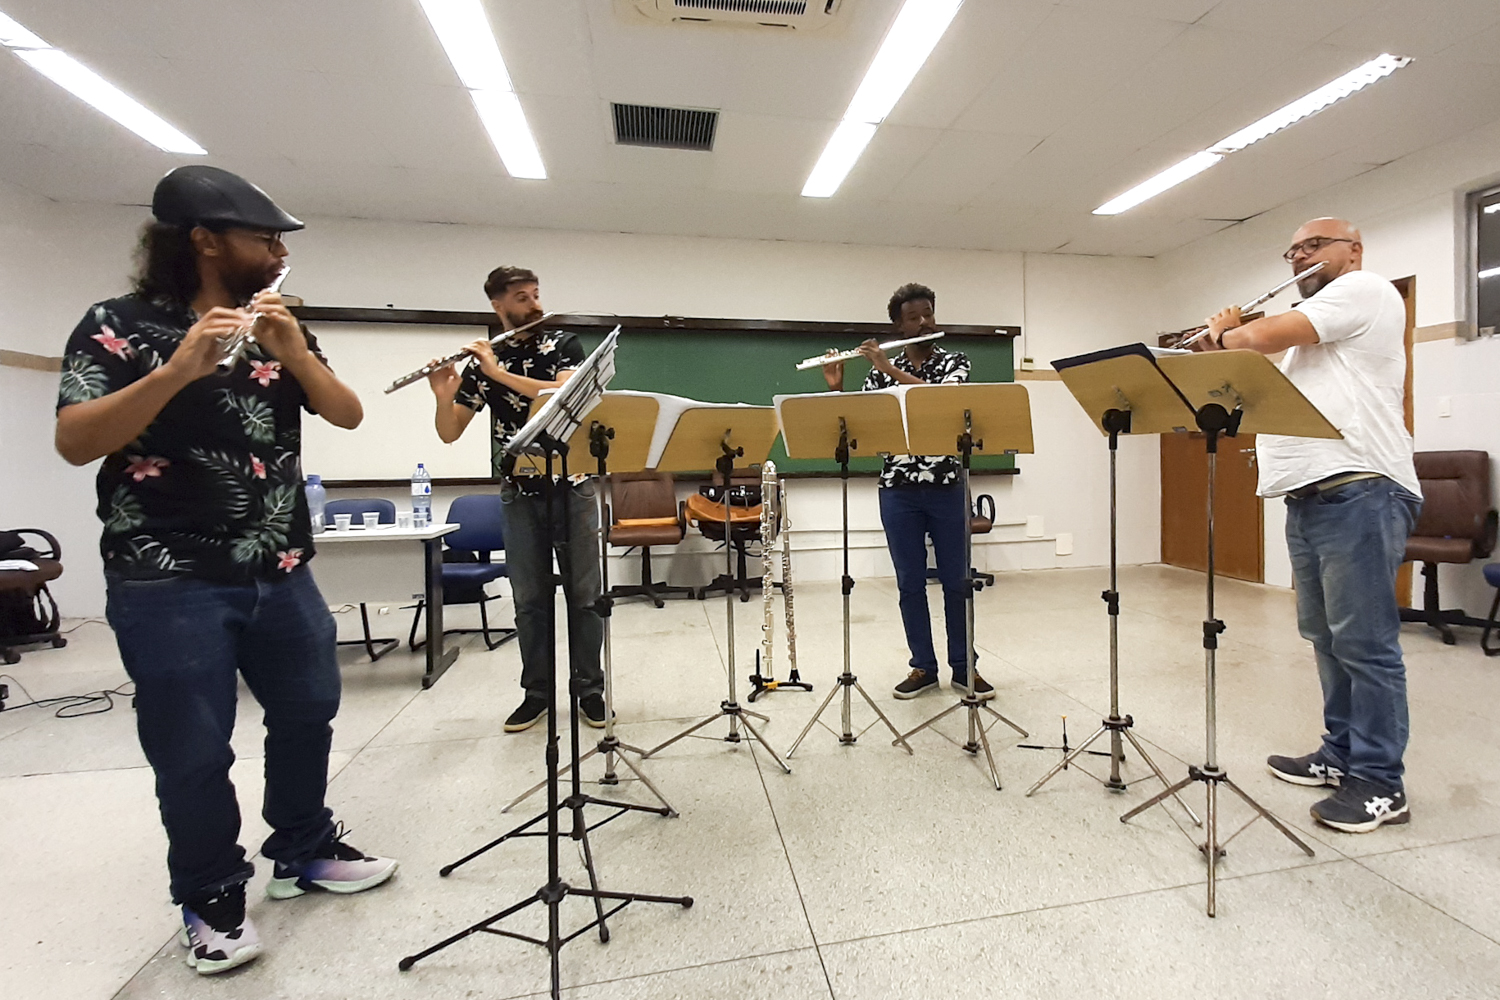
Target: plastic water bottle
317 496
421 497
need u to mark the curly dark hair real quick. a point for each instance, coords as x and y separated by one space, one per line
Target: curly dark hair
503 277
166 263
911 292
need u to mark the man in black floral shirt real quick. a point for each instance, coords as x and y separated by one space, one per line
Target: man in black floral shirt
206 541
922 496
507 380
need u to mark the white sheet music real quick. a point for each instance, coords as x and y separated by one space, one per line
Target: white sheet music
566 408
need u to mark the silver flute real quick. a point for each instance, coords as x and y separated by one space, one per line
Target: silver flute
775 530
237 343
499 340
890 345
1261 299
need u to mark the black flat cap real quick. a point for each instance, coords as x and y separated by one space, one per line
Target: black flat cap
204 195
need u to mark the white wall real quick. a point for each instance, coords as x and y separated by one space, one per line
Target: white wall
1410 213
57 259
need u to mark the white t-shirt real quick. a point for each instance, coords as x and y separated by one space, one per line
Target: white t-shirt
1356 375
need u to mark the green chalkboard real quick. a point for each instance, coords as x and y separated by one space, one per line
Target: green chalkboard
726 366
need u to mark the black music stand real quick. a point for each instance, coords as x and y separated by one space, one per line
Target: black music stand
831 424
1230 391
1123 392
546 433
957 419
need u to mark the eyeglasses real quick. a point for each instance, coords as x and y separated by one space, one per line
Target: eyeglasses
1311 246
269 239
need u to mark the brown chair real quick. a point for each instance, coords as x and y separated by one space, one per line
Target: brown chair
707 513
646 513
981 522
28 613
1457 525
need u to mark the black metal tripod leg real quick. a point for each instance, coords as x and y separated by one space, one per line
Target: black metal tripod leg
588 864
410 960
1159 797
1269 818
1157 771
515 832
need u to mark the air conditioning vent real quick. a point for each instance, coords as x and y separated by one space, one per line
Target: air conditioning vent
799 14
666 128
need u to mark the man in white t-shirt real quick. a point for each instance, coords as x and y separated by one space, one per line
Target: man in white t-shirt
1350 505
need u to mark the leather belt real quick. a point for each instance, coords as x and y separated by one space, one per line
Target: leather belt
1331 483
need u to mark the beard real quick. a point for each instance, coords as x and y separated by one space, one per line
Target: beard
522 318
245 283
1314 283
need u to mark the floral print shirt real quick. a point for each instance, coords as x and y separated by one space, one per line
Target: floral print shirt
540 356
922 470
213 487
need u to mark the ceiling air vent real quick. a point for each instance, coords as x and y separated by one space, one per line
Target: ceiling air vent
801 14
666 128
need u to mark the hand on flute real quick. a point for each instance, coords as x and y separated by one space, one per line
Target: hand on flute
444 381
833 372
1218 323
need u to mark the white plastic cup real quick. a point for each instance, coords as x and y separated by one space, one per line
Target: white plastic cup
403 521
372 520
341 521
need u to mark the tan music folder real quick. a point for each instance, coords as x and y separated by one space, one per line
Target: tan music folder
999 414
700 430
810 423
1247 380
633 417
1126 379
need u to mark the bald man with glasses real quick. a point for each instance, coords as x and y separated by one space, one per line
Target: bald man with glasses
1350 505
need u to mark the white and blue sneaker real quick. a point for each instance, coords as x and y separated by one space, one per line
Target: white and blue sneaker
1313 770
336 867
216 932
1360 806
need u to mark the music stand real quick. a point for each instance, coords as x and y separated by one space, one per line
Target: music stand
831 425
959 419
547 433
712 437
1123 392
618 431
1230 391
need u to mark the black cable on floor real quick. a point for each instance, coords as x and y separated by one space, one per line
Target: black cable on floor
73 706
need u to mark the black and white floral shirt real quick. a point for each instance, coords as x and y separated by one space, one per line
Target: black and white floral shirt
922 470
213 487
540 356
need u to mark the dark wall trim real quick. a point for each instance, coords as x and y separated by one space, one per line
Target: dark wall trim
584 322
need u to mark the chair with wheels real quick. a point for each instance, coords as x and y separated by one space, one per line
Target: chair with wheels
28 613
1457 525
468 566
646 513
356 509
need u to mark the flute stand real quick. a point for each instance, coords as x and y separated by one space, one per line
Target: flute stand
610 746
555 890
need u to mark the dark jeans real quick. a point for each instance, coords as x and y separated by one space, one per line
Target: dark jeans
528 555
910 515
184 642
1346 546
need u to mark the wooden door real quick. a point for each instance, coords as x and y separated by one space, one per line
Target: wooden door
1238 521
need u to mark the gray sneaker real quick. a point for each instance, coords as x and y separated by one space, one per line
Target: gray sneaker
1312 769
916 682
217 934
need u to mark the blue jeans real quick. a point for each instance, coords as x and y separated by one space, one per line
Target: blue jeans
1346 546
184 642
910 515
528 556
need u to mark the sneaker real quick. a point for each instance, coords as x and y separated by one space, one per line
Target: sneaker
216 932
528 715
1360 806
1312 769
983 689
916 682
591 707
337 867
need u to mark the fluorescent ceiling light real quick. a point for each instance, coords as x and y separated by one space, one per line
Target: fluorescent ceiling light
464 32
1492 272
83 83
908 43
1304 107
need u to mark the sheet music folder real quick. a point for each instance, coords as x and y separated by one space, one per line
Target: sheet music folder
1127 378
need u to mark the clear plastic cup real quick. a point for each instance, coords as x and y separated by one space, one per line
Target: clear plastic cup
341 521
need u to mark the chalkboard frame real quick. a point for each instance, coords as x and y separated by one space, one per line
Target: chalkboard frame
590 322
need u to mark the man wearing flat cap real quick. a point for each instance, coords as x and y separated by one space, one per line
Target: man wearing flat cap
206 542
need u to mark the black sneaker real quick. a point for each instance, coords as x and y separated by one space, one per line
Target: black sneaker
916 682
528 715
216 932
983 689
1360 806
591 707
1312 769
